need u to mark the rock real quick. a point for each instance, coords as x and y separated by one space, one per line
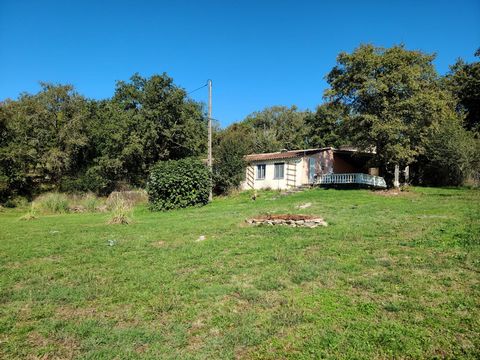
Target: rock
288 220
320 221
304 206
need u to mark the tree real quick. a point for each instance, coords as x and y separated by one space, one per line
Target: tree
278 127
229 165
45 137
58 139
464 81
393 97
449 156
325 125
177 124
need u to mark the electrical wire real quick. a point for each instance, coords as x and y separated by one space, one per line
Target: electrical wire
201 87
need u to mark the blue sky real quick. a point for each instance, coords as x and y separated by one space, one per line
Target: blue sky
258 53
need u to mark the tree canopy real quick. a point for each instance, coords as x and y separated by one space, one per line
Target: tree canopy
59 139
392 96
464 82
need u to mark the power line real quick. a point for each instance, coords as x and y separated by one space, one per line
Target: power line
201 87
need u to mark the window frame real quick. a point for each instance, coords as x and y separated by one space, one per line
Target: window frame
264 166
275 174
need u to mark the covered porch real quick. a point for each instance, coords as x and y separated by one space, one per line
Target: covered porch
349 168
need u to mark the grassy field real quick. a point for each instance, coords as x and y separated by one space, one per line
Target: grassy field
390 277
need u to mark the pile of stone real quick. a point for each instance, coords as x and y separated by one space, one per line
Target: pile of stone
288 220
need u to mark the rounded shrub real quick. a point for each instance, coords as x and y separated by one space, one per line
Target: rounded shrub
178 183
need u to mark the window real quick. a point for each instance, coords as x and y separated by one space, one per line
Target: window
261 172
278 171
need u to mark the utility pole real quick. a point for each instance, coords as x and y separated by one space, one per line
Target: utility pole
210 195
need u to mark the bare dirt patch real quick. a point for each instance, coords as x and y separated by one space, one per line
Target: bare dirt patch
393 192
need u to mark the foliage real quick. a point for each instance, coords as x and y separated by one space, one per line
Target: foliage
178 183
276 128
60 203
44 138
16 201
58 140
325 125
229 164
449 155
31 214
391 277
90 202
121 212
53 202
464 81
133 197
393 97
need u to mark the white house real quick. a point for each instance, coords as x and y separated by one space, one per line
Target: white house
287 169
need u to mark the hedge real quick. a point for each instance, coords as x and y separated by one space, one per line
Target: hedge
178 183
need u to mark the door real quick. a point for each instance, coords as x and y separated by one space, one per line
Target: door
311 169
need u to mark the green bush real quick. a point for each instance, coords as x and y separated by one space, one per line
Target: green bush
16 202
178 183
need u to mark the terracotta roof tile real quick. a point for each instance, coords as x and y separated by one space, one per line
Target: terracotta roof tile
283 154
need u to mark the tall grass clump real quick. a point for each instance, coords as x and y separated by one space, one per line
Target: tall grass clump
132 197
121 212
91 202
32 213
56 203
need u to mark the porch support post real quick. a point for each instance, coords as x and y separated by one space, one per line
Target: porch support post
396 181
407 174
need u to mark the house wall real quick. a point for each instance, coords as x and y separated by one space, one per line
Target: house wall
269 182
324 164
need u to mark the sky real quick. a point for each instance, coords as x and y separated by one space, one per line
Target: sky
257 53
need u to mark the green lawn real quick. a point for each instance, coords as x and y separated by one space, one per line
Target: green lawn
390 277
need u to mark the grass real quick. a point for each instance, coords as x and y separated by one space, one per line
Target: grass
53 202
121 212
390 277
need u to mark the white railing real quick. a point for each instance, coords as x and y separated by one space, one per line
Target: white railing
352 178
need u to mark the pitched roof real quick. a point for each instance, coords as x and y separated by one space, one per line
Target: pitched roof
283 154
